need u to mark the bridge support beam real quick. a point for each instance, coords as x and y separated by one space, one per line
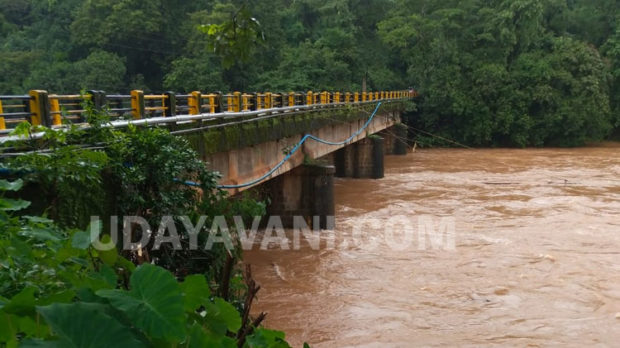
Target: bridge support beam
363 159
307 192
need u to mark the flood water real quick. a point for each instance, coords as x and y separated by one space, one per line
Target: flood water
536 258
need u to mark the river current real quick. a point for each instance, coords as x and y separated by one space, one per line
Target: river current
535 259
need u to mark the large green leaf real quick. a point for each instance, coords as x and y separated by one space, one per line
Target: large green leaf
222 316
22 303
267 339
11 186
196 292
7 330
85 325
108 257
81 240
154 304
13 204
199 338
41 234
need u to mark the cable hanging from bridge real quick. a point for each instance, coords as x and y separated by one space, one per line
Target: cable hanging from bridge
291 153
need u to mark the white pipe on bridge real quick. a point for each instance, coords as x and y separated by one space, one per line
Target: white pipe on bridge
180 119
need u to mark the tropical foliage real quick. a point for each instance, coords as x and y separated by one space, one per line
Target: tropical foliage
500 72
57 289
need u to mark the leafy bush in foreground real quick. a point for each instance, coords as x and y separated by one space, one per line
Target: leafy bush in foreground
58 291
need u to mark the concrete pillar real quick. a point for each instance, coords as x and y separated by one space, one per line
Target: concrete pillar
363 159
306 191
400 139
345 161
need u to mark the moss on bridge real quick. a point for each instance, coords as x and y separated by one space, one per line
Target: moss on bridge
234 136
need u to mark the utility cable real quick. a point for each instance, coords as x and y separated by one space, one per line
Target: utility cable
291 153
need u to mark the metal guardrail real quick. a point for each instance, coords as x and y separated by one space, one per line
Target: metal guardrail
52 110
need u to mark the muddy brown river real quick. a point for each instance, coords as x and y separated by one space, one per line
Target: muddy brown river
535 259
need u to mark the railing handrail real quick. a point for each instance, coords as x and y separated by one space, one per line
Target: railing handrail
42 108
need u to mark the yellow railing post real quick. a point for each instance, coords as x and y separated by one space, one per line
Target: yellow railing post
337 97
35 114
55 111
212 106
137 104
347 97
291 98
237 101
364 96
2 123
259 101
323 97
229 102
39 108
356 97
193 102
268 101
245 101
309 99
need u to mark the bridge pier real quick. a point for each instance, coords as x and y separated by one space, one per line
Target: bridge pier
395 139
306 191
363 159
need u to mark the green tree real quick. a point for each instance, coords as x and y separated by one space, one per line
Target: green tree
101 70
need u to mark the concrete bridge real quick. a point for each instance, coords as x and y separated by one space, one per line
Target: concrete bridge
290 144
301 183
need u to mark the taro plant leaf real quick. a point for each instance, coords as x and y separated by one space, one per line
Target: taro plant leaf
84 325
154 304
41 234
7 330
196 292
199 338
22 303
13 204
108 257
58 297
267 338
38 219
81 240
126 264
222 316
11 186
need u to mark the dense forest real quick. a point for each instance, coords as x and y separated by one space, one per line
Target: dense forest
490 72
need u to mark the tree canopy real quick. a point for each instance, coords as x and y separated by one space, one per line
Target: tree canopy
490 72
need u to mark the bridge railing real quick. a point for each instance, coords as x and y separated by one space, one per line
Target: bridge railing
52 110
